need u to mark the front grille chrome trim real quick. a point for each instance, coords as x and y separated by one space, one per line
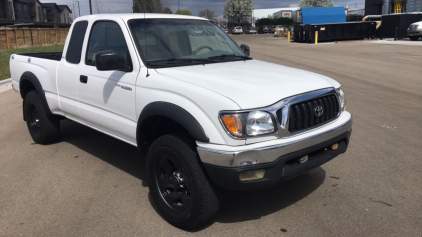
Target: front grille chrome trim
284 105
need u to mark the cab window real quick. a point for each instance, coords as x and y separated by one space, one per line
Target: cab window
106 35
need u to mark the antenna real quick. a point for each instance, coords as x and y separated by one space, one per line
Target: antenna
146 43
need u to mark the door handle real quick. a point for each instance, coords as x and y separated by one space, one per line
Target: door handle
83 79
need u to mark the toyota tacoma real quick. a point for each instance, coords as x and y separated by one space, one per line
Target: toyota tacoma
205 114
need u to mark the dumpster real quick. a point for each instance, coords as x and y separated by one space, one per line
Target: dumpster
298 33
338 31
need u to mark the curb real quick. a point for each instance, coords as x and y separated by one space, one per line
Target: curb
5 81
6 85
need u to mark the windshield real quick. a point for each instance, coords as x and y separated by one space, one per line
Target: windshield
178 42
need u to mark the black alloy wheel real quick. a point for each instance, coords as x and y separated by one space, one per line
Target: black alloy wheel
34 120
43 128
172 183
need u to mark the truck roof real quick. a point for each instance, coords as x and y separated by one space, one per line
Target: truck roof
130 16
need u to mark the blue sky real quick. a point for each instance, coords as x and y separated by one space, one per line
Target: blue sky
125 6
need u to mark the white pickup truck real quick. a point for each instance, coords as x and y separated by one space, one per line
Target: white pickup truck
206 115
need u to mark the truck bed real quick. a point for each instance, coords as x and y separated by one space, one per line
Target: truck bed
51 55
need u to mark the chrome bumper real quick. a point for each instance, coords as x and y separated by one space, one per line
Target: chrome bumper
267 152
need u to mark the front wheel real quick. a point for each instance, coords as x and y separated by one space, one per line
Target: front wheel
177 183
44 129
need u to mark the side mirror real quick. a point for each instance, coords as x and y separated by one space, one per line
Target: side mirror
110 60
245 49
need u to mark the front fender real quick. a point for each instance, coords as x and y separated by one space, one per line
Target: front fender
176 113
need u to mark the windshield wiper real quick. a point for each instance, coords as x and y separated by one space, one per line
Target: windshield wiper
224 56
178 60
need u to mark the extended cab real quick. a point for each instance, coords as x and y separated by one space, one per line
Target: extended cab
205 114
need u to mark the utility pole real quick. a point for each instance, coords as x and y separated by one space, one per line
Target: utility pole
90 7
79 8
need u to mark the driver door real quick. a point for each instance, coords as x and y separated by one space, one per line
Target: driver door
107 98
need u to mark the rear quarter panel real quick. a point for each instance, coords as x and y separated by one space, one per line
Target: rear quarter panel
43 69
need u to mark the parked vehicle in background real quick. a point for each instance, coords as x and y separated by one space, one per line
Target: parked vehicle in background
265 29
204 113
250 30
279 28
415 31
237 30
226 30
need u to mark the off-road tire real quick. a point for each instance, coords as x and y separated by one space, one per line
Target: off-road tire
44 129
202 203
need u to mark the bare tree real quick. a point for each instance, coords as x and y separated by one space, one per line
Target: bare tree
151 6
72 3
206 13
98 6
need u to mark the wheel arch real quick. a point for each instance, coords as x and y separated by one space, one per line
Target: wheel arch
158 113
29 82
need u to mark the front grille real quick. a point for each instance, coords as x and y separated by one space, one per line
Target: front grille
304 115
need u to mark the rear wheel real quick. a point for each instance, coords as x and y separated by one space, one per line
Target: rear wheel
413 38
44 129
177 183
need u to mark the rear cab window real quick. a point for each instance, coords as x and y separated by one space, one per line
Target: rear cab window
74 50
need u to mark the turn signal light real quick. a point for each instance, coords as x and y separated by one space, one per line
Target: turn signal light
233 124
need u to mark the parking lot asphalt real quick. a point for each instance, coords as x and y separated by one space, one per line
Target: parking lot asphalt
90 184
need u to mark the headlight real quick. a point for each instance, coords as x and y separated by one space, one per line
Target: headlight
258 123
248 124
342 98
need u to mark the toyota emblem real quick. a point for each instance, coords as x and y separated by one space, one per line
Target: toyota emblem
319 110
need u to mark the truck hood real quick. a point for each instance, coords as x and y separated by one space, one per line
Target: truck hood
250 83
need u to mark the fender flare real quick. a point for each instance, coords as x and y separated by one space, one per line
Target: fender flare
30 77
176 113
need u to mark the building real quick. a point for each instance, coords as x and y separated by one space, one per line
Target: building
26 10
6 9
34 11
383 7
291 12
51 12
65 14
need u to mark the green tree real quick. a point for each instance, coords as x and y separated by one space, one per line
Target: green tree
316 3
167 10
183 12
237 9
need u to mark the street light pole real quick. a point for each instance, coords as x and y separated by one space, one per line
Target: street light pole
79 8
90 7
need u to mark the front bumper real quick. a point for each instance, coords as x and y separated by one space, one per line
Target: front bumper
414 33
225 165
284 167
